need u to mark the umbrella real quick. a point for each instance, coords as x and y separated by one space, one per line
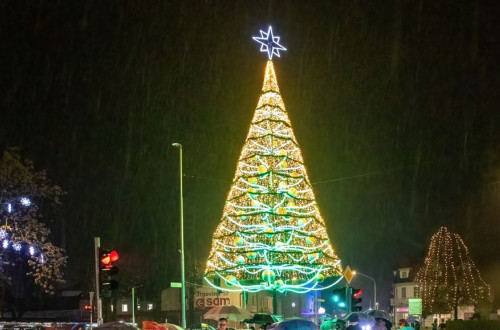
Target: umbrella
170 326
116 326
262 318
411 319
380 314
358 317
297 324
230 312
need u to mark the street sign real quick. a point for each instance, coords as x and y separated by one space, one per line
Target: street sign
175 285
348 275
415 306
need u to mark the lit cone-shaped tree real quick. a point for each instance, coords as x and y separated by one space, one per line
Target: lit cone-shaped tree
449 277
271 236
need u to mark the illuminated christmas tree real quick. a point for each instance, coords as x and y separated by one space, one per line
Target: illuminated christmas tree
449 277
271 235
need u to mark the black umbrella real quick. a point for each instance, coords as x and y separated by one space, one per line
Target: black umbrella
116 326
358 317
380 314
262 318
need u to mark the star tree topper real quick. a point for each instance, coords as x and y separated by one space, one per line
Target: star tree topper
269 43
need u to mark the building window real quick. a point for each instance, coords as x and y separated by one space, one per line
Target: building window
404 274
403 292
112 307
124 308
150 307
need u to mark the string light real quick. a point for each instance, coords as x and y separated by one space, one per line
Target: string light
449 277
271 235
25 201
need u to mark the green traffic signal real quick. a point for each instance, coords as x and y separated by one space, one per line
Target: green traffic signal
339 297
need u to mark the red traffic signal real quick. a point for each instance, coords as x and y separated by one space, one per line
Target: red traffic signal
107 270
107 257
356 299
87 307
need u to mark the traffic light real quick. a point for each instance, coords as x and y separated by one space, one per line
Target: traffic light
338 298
356 299
107 270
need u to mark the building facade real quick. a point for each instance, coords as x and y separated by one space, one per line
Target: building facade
403 288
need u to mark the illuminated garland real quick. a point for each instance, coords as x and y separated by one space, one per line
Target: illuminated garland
449 277
271 236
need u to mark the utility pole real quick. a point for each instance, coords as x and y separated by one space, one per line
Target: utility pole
183 276
97 246
133 305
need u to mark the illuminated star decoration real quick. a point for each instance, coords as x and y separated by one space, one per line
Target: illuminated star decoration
269 43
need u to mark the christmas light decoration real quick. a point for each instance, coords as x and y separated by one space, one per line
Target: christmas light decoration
449 277
269 43
271 235
25 201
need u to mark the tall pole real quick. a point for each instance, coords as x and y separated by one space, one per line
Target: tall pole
374 288
348 298
133 305
315 306
183 276
97 246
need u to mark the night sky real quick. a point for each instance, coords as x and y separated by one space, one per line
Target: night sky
394 104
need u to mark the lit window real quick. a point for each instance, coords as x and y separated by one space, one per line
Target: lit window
150 307
124 308
112 308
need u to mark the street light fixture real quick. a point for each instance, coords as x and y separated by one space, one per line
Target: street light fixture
374 287
183 277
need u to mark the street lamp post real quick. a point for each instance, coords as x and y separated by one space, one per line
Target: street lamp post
183 277
374 287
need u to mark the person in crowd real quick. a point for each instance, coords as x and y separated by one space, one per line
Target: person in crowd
222 325
380 325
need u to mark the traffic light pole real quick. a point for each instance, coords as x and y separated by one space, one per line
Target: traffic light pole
375 303
97 245
348 293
